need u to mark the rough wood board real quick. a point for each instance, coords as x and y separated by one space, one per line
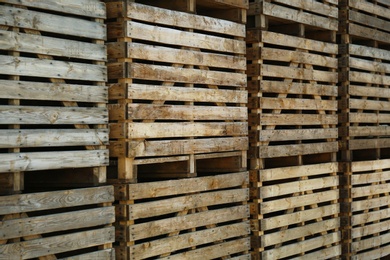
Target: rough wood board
301 119
297 149
108 254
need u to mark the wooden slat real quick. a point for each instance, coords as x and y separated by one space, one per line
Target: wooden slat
21 66
298 201
58 244
267 86
175 147
175 243
366 51
298 149
361 144
188 39
373 34
89 8
185 186
15 162
370 165
108 254
301 119
366 217
358 192
370 243
52 137
52 115
169 225
369 91
369 131
327 253
298 104
312 6
51 23
369 118
370 229
166 206
51 46
371 8
297 134
16 228
369 20
372 66
13 89
369 104
370 203
367 178
372 254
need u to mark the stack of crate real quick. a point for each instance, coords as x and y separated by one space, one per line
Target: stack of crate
292 84
178 122
364 131
53 130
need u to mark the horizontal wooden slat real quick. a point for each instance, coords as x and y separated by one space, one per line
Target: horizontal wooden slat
297 88
56 199
15 162
175 147
298 149
23 227
369 104
369 20
366 51
188 39
301 119
13 89
44 68
376 253
301 247
312 6
369 131
369 91
89 8
369 118
371 242
370 203
51 23
58 244
327 253
297 134
297 171
358 192
169 225
177 56
366 217
108 254
298 201
369 33
174 243
52 137
370 165
52 115
360 144
371 177
38 44
298 104
371 8
367 65
299 232
166 206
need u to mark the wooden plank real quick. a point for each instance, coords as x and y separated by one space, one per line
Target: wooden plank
58 244
298 201
370 203
293 187
368 33
89 8
297 171
297 134
13 89
34 161
327 253
370 165
299 217
312 6
299 17
367 178
371 8
177 56
22 18
369 118
298 42
358 192
108 254
172 74
369 20
369 104
301 119
372 66
298 104
302 246
175 224
377 253
56 199
369 91
146 32
366 51
22 227
367 217
150 92
370 229
184 20
23 42
299 232
361 144
52 115
369 131
214 251
185 186
267 86
298 149
52 137
177 204
370 243
175 243
22 66
184 112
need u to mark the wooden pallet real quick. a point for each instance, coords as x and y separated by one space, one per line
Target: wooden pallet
69 224
178 92
53 111
193 218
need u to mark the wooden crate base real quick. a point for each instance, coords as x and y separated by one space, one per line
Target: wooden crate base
60 224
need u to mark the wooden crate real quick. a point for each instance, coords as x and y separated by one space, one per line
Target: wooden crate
69 224
53 96
178 92
191 218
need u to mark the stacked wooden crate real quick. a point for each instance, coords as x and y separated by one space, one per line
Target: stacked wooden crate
364 131
178 122
53 130
292 84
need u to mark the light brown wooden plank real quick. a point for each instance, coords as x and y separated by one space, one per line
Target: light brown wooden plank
312 6
369 33
58 244
172 244
13 89
369 118
370 165
369 91
298 104
377 253
176 147
22 227
367 178
369 105
22 18
367 217
367 65
370 243
370 8
360 144
297 134
371 190
369 20
52 138
370 203
369 131
56 199
267 86
327 253
302 119
298 149
366 51
34 161
108 254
